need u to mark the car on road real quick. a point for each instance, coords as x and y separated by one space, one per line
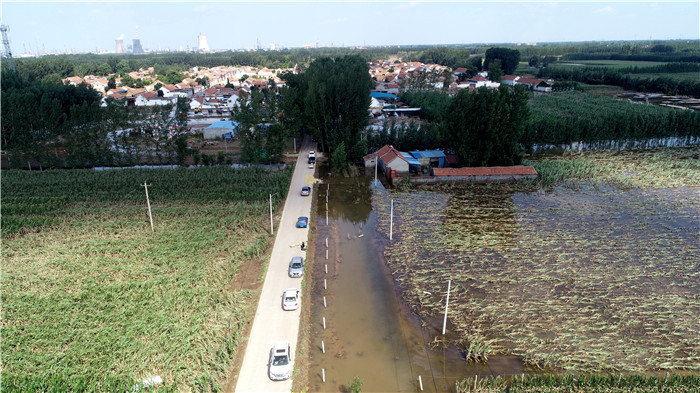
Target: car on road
302 222
305 191
290 299
312 154
281 361
296 267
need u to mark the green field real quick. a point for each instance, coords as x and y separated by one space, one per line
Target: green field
93 299
615 64
676 77
593 270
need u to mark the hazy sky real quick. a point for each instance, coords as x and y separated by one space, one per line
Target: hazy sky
90 26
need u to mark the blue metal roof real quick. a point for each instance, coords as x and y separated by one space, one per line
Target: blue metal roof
228 124
411 160
428 153
377 94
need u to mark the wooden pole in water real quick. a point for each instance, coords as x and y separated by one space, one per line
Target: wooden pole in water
444 322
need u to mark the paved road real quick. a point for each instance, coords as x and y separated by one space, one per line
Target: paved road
271 322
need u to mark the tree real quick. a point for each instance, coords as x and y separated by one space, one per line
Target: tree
112 82
338 158
112 62
495 70
336 102
509 58
477 63
127 80
104 69
122 67
485 126
262 136
534 61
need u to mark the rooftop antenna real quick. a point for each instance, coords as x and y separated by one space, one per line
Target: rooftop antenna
6 42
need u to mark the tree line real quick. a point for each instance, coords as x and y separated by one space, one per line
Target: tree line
625 77
553 119
567 117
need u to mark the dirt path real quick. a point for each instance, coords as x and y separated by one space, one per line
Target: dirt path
271 323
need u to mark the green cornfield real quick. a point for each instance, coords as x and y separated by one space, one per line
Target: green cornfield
93 300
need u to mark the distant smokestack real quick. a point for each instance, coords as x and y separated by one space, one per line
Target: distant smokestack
137 43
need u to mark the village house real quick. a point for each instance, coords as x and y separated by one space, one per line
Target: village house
538 85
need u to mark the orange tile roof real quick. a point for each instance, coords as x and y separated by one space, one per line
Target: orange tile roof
486 171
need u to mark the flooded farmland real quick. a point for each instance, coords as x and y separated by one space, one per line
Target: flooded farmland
584 278
369 332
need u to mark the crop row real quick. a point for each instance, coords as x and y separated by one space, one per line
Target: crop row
583 383
95 300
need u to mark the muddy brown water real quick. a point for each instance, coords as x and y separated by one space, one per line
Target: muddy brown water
369 332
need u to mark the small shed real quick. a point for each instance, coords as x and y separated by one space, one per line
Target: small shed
218 129
433 158
414 165
383 96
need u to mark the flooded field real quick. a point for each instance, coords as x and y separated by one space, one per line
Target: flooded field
583 278
369 333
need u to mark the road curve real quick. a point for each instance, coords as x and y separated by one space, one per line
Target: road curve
271 323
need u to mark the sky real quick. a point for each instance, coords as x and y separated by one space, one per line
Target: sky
82 26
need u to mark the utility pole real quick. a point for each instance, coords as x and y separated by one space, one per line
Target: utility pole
376 164
391 222
447 302
272 231
148 202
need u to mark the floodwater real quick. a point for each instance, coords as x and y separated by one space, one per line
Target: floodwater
369 332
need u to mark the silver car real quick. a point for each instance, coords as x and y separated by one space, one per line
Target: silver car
281 361
296 267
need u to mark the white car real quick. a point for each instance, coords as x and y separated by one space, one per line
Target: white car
290 299
281 361
312 154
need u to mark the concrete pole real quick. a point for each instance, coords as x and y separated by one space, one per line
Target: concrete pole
391 222
375 172
272 231
444 322
148 202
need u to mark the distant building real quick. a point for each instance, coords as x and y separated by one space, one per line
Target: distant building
120 45
202 46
